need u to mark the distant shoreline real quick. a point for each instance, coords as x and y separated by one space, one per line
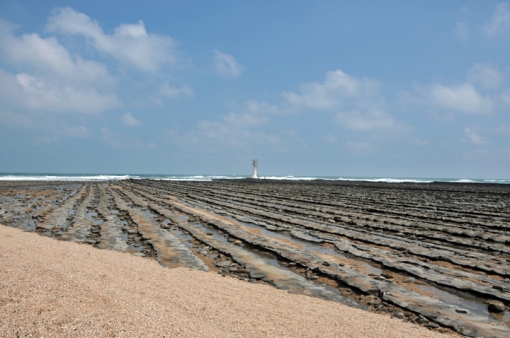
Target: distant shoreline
5 177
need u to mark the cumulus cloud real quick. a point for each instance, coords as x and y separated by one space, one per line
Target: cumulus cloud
463 98
333 92
34 94
48 56
357 103
226 65
130 120
257 107
54 81
129 43
474 138
244 120
175 92
500 20
372 120
486 75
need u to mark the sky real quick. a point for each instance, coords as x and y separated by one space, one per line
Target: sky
322 88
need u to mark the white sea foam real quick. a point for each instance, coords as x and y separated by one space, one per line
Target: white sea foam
63 177
388 180
85 177
464 180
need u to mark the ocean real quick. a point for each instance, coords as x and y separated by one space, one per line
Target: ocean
106 177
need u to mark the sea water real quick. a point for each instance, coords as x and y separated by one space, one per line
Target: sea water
171 177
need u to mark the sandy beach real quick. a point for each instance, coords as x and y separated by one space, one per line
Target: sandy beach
56 288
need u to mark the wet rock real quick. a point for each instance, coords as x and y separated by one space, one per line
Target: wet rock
223 264
399 315
499 287
496 306
421 320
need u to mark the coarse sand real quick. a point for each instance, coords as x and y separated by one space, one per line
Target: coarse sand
65 289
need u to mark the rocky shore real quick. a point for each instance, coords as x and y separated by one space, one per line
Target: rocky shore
434 257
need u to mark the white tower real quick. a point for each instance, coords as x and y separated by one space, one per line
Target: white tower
255 164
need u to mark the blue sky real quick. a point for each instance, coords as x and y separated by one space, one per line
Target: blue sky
334 88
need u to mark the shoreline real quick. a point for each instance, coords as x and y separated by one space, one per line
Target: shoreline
67 289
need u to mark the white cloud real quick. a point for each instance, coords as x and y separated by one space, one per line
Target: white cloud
226 65
152 145
53 80
175 92
129 43
474 138
244 120
130 120
47 56
32 94
372 120
463 98
500 21
333 92
486 75
256 107
357 102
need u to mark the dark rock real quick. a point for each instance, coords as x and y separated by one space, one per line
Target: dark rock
399 315
432 325
325 263
496 306
421 320
461 311
223 264
499 287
